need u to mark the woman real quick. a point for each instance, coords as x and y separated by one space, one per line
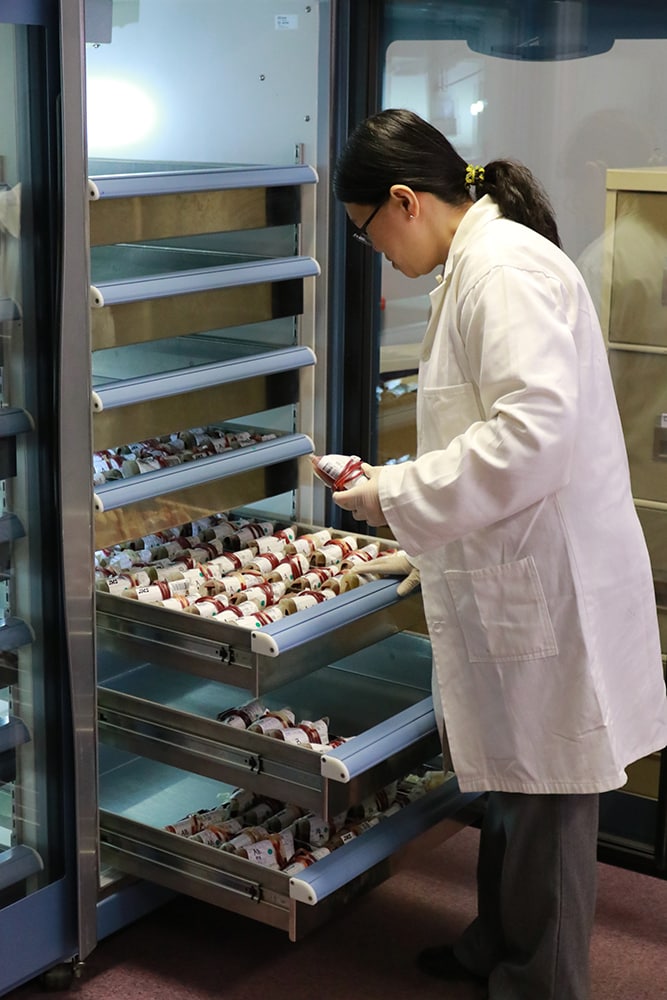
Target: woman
518 514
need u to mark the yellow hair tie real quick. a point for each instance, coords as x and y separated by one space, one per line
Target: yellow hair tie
474 175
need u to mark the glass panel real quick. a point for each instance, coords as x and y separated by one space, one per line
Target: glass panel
177 353
576 92
569 97
31 659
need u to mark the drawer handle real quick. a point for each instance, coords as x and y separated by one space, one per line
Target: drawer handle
255 763
660 440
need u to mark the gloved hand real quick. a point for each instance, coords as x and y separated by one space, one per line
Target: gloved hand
396 564
363 500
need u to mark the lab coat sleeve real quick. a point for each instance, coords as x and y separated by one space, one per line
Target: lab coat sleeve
516 328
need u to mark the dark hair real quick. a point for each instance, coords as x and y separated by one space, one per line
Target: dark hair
399 147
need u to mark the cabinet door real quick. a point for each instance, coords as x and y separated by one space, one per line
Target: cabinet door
638 305
640 381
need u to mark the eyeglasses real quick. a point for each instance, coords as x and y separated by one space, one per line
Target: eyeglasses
361 234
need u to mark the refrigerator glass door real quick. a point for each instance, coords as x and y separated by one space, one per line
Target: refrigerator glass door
30 736
37 841
485 82
484 78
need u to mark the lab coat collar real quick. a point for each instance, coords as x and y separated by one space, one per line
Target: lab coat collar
482 212
479 215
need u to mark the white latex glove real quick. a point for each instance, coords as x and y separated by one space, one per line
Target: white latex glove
396 564
363 500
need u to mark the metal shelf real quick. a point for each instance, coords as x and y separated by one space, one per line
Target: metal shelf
205 279
120 492
146 388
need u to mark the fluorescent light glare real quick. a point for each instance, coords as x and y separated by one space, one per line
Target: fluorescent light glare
119 113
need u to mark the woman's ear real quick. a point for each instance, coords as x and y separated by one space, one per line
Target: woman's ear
406 199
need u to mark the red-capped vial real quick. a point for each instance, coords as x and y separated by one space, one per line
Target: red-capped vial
362 555
168 572
334 551
267 543
243 715
338 472
240 800
304 599
284 818
230 561
119 583
273 851
314 579
303 859
292 734
288 535
313 830
230 616
309 542
249 835
250 531
317 731
235 583
260 618
262 595
278 719
185 827
289 567
265 563
217 834
178 603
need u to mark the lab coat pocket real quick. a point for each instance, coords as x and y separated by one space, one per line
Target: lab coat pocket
503 612
446 412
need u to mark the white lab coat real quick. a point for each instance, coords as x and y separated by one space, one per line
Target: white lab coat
536 580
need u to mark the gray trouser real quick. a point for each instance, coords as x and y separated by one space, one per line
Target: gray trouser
536 886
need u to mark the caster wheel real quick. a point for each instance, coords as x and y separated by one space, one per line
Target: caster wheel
58 978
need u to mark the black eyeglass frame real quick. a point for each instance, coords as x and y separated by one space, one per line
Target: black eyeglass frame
360 234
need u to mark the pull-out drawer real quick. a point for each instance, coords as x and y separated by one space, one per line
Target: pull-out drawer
262 659
379 696
140 797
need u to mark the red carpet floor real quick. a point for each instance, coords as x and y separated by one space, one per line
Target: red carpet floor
189 950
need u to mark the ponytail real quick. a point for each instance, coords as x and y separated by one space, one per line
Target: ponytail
519 196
